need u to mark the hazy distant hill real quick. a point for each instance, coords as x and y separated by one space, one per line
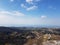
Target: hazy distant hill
8 29
27 29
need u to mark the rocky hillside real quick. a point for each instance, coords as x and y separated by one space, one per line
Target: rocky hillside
29 36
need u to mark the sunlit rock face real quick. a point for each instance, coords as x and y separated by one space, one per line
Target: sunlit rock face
45 39
52 42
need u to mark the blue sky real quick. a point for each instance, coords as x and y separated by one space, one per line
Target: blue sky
29 12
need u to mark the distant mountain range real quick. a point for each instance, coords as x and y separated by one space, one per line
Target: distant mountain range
27 29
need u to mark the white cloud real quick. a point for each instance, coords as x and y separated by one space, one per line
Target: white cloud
22 5
11 0
31 8
4 13
32 4
32 1
43 16
17 13
29 1
14 13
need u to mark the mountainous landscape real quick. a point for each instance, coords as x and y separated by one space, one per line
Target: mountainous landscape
29 36
29 22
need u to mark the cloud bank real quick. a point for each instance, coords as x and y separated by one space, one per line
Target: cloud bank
18 18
